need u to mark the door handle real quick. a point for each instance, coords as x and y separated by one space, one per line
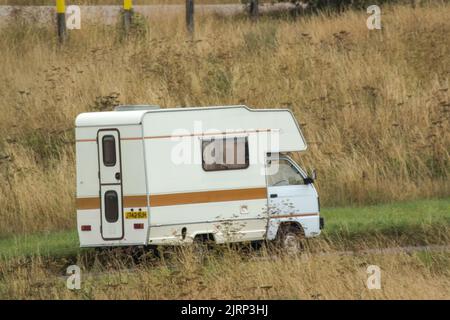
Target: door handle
117 175
273 195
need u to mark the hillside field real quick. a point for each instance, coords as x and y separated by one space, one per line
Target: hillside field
374 107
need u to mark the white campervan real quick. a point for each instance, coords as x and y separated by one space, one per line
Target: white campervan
150 176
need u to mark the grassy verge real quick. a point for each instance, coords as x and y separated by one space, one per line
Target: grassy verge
419 222
64 243
410 223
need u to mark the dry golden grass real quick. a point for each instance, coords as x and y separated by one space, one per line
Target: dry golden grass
112 2
234 275
374 105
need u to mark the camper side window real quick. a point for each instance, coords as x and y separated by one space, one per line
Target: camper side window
225 154
111 206
109 151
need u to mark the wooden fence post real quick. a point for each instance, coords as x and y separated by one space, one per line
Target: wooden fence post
254 10
61 20
127 15
190 16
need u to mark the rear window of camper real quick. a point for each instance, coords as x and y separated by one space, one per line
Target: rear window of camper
109 151
111 206
225 154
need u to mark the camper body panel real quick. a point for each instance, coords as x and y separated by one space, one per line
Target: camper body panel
310 225
166 196
131 187
226 221
230 204
210 121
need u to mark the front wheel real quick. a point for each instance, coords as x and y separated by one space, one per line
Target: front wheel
290 239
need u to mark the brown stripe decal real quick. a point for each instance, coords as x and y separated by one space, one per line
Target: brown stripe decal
86 140
207 196
131 138
294 215
134 201
88 203
180 198
210 134
188 135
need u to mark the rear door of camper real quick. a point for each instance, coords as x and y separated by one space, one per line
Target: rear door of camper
110 178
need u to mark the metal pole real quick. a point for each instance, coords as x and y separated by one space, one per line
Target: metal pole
190 16
61 20
254 10
297 10
127 15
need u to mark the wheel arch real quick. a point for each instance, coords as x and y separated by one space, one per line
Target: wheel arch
275 224
290 224
204 237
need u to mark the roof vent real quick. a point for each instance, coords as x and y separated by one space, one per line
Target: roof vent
136 107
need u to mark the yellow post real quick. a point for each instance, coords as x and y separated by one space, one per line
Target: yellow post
127 4
127 14
61 19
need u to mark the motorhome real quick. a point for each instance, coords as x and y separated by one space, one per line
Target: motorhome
150 176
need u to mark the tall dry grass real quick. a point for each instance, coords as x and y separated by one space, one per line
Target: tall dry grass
233 275
109 2
374 105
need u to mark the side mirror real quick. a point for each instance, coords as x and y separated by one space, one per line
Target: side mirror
314 174
311 178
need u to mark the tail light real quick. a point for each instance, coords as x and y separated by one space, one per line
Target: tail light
86 228
139 226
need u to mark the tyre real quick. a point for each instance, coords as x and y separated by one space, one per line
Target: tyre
200 249
290 239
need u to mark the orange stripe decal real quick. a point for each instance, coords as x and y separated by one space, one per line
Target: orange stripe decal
188 135
88 203
174 199
294 215
209 134
131 138
86 140
134 201
207 196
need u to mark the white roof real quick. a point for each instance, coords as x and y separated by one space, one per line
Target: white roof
109 118
223 119
117 118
